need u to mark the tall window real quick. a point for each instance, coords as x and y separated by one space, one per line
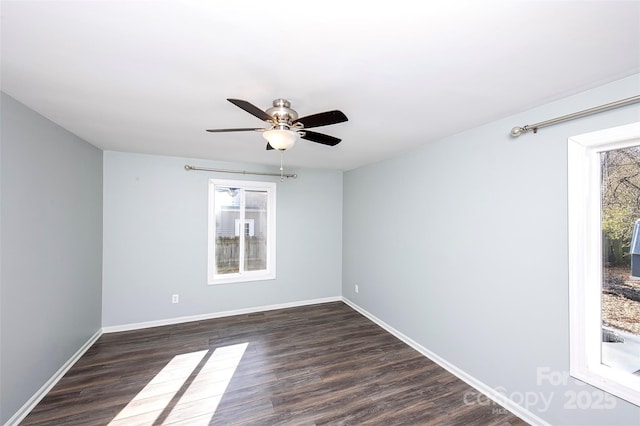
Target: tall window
242 226
604 259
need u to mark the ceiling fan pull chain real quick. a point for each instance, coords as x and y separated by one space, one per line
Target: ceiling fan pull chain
281 168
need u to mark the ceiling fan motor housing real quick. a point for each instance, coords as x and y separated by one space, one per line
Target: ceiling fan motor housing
282 113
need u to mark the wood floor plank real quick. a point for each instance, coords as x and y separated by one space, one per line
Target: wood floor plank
323 365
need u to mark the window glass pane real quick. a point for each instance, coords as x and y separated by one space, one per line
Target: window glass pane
620 198
227 205
255 230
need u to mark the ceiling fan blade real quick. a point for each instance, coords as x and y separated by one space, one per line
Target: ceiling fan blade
269 147
320 138
251 109
322 119
243 129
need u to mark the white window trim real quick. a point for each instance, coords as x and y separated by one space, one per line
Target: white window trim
585 260
270 272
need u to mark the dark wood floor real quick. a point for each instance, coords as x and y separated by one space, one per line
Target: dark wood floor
320 364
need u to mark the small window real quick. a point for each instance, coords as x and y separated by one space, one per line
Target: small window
242 231
604 262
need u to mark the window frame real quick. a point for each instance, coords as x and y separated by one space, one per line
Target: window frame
242 276
585 260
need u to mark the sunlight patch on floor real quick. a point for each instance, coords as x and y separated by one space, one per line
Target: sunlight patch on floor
190 385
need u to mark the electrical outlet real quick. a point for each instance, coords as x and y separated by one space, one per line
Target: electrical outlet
175 298
357 288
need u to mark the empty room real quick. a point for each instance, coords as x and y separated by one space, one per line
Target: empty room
330 213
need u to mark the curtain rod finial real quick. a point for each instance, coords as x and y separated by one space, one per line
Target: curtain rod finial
517 131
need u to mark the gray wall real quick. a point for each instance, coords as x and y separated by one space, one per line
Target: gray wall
51 221
155 240
462 246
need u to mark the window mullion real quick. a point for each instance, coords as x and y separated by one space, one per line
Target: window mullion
241 230
593 281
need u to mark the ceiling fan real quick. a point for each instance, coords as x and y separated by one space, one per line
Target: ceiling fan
285 126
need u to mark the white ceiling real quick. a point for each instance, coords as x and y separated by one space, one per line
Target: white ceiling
150 77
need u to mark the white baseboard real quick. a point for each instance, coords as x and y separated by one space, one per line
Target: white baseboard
180 320
42 392
491 393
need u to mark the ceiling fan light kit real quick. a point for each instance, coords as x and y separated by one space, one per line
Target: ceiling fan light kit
285 126
280 139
